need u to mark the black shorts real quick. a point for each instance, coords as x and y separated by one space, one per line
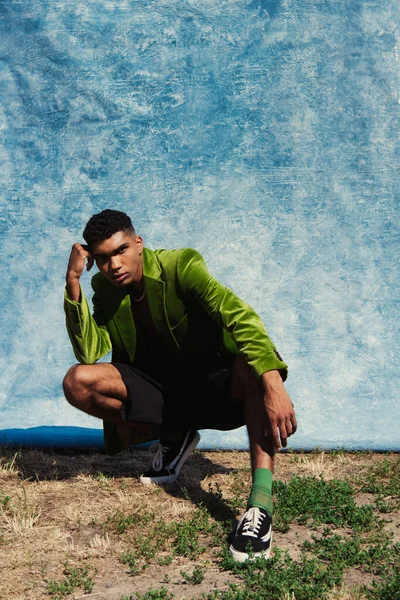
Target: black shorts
193 400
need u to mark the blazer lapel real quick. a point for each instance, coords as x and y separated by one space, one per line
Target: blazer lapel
155 292
124 322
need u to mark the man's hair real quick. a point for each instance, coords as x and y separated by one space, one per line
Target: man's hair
103 225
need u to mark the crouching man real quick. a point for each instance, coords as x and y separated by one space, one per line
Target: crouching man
187 354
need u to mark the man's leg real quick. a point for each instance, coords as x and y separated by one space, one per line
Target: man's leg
255 527
99 390
249 390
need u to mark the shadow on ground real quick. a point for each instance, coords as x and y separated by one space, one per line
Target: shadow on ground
39 465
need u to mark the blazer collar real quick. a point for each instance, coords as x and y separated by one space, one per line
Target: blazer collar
151 266
156 297
155 290
155 293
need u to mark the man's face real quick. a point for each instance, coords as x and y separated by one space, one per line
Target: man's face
119 258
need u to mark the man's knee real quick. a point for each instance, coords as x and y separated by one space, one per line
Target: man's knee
76 384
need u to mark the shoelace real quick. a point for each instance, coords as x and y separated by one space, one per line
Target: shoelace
253 519
158 460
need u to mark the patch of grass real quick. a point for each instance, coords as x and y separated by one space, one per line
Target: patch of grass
336 549
195 524
218 506
130 558
313 501
382 479
74 577
160 594
8 463
181 538
281 576
375 556
99 476
147 547
5 500
196 577
164 561
388 588
186 540
386 505
103 479
18 514
239 490
120 522
184 537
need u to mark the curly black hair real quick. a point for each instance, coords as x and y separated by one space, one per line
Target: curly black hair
103 225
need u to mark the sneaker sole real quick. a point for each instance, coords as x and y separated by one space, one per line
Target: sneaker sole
243 556
171 478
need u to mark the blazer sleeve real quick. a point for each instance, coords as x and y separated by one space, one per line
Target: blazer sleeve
88 333
231 313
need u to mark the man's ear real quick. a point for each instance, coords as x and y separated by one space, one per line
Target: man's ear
139 242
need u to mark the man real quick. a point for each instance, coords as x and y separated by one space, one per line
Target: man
187 354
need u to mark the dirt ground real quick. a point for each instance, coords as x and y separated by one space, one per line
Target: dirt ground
56 510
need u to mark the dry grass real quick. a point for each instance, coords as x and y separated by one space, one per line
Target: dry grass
57 509
347 594
19 515
323 464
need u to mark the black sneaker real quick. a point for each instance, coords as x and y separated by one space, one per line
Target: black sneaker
168 460
254 531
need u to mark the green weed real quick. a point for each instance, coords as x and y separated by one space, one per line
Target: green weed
75 577
239 491
161 594
388 588
164 561
309 501
312 501
196 577
147 548
387 506
383 479
182 538
382 558
5 500
130 558
119 522
281 576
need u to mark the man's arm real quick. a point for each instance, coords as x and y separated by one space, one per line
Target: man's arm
231 312
76 264
90 340
250 336
279 408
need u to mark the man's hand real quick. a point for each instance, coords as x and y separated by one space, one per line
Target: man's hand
76 264
279 408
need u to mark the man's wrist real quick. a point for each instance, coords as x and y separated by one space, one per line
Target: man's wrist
73 288
271 375
72 279
271 378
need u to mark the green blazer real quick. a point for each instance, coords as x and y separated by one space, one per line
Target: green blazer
201 321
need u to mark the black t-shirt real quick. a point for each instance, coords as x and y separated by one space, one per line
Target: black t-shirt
151 355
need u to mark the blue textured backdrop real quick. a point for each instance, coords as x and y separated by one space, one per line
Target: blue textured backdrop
264 133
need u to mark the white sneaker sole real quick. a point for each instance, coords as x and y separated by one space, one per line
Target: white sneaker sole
243 556
165 479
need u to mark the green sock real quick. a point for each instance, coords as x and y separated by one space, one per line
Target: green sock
261 491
